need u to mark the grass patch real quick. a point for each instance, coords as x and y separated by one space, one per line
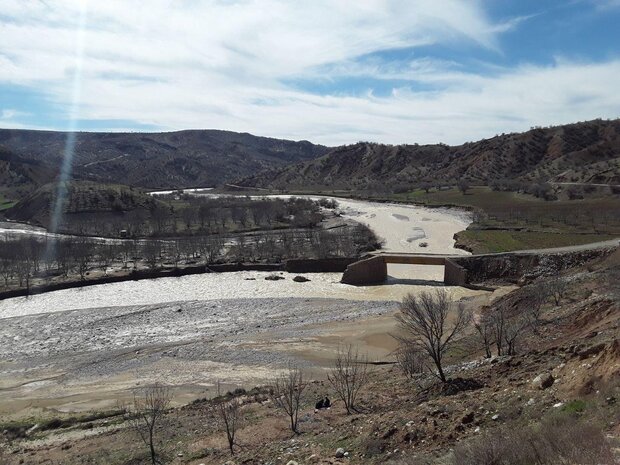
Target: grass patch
5 203
575 406
491 241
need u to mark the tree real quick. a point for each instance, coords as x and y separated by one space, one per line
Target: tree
463 186
148 408
348 375
557 288
410 360
228 412
423 321
287 394
484 328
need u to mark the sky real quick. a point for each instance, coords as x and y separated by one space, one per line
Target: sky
332 72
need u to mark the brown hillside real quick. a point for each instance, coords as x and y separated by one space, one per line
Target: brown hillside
587 152
196 158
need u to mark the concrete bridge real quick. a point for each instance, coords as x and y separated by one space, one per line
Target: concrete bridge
463 270
373 270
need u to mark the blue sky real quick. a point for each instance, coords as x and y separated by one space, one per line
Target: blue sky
332 72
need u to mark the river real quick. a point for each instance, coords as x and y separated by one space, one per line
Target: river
403 228
84 349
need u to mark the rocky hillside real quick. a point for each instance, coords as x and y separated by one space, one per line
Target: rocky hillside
196 158
587 152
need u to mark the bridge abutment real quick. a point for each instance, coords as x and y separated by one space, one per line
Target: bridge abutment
369 271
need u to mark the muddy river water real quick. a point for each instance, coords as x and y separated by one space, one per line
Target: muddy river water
403 228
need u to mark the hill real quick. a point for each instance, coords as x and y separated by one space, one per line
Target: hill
86 202
193 158
587 152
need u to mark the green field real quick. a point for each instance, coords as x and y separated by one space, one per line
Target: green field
506 221
484 241
6 203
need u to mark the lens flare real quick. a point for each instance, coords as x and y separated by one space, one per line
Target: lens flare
60 199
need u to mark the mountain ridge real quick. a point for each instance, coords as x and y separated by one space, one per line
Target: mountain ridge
585 152
176 159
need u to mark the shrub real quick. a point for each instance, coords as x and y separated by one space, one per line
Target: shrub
558 440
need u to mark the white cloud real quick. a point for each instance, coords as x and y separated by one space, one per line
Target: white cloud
223 64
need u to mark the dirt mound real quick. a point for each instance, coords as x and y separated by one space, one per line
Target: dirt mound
592 369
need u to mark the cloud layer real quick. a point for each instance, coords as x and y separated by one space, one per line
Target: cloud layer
236 65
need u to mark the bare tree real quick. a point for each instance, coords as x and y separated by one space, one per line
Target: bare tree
463 186
424 322
410 359
485 330
348 375
148 408
287 395
228 412
557 288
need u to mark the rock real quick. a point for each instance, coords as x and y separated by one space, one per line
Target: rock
558 405
468 418
543 381
300 279
530 402
273 277
32 429
495 417
291 462
339 453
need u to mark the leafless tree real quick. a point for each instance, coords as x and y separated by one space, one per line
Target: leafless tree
485 331
557 288
288 389
228 413
145 415
423 320
411 360
463 186
348 376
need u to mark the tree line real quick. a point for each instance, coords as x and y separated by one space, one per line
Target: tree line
183 214
24 259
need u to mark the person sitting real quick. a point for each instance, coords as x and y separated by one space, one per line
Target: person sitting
323 404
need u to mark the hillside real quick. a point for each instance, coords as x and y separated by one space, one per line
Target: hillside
587 152
193 158
85 200
557 394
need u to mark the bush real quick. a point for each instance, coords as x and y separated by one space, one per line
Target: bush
558 440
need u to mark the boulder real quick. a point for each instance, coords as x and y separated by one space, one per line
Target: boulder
543 381
300 279
340 453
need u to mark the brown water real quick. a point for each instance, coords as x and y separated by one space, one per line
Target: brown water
402 227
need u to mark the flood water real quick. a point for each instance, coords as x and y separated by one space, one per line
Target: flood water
404 228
